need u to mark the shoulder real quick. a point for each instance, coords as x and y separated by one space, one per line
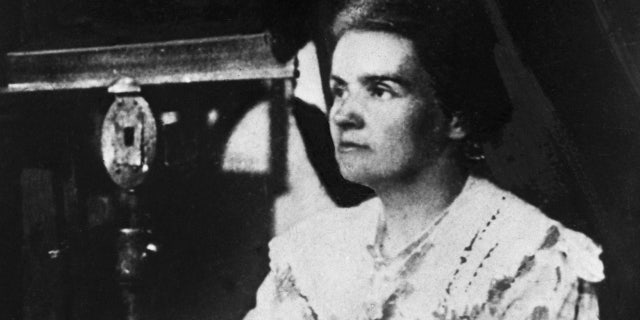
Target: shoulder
520 261
328 231
484 193
527 234
338 222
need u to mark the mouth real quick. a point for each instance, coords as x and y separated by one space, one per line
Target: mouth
347 146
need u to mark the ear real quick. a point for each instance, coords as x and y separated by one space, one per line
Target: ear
457 128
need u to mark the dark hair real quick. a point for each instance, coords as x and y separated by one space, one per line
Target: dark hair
455 42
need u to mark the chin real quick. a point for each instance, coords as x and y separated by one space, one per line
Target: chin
373 175
356 175
360 175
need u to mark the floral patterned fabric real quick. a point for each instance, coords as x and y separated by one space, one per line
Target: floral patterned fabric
491 256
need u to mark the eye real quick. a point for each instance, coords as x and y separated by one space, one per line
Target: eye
338 91
381 91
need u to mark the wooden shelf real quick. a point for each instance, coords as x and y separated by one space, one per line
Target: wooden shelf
241 57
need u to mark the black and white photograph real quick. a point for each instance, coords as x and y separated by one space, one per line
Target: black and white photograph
319 159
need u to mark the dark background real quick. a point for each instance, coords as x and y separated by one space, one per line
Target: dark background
573 149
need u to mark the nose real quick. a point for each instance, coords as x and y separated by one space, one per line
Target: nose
347 113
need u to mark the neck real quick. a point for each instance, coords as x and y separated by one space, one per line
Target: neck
412 206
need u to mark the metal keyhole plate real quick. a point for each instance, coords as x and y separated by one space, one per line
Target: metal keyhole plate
128 140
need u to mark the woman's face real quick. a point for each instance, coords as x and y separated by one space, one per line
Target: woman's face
385 123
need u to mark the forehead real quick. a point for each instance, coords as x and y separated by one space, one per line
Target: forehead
373 52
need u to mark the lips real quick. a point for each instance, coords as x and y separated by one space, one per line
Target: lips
348 146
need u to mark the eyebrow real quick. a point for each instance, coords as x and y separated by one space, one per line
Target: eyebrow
373 78
339 80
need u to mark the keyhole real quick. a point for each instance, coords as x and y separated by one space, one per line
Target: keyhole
129 135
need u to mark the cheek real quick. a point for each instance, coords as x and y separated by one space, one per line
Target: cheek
401 132
418 122
421 132
333 130
430 123
332 125
430 126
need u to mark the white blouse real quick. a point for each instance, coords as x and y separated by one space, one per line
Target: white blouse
491 256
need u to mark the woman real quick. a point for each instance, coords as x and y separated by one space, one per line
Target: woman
415 88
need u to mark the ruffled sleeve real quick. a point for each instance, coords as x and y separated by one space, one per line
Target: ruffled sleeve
278 296
557 282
